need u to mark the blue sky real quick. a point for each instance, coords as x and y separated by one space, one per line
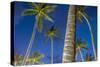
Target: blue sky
24 25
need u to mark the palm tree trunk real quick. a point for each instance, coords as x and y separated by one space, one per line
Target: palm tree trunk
92 38
30 45
51 50
81 55
76 56
69 46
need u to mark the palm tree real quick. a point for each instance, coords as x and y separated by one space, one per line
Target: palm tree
86 17
51 33
40 11
69 46
18 59
35 58
80 44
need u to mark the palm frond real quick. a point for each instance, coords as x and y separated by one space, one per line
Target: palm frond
82 10
49 8
85 48
39 23
35 58
81 44
35 6
29 12
47 17
79 16
87 16
38 55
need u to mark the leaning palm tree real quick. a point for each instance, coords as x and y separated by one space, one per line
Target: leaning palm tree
83 14
80 45
69 46
51 33
35 58
40 11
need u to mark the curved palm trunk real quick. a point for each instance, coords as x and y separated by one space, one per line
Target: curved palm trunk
69 46
81 55
92 38
30 45
51 50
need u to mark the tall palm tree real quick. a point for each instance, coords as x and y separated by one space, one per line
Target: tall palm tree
35 58
40 11
69 46
51 33
80 44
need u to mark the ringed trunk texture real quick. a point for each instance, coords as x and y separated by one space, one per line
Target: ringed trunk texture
30 45
69 45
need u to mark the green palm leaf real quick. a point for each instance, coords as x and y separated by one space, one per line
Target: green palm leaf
81 44
80 11
38 55
29 12
87 16
49 8
47 17
35 6
35 58
79 16
39 23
